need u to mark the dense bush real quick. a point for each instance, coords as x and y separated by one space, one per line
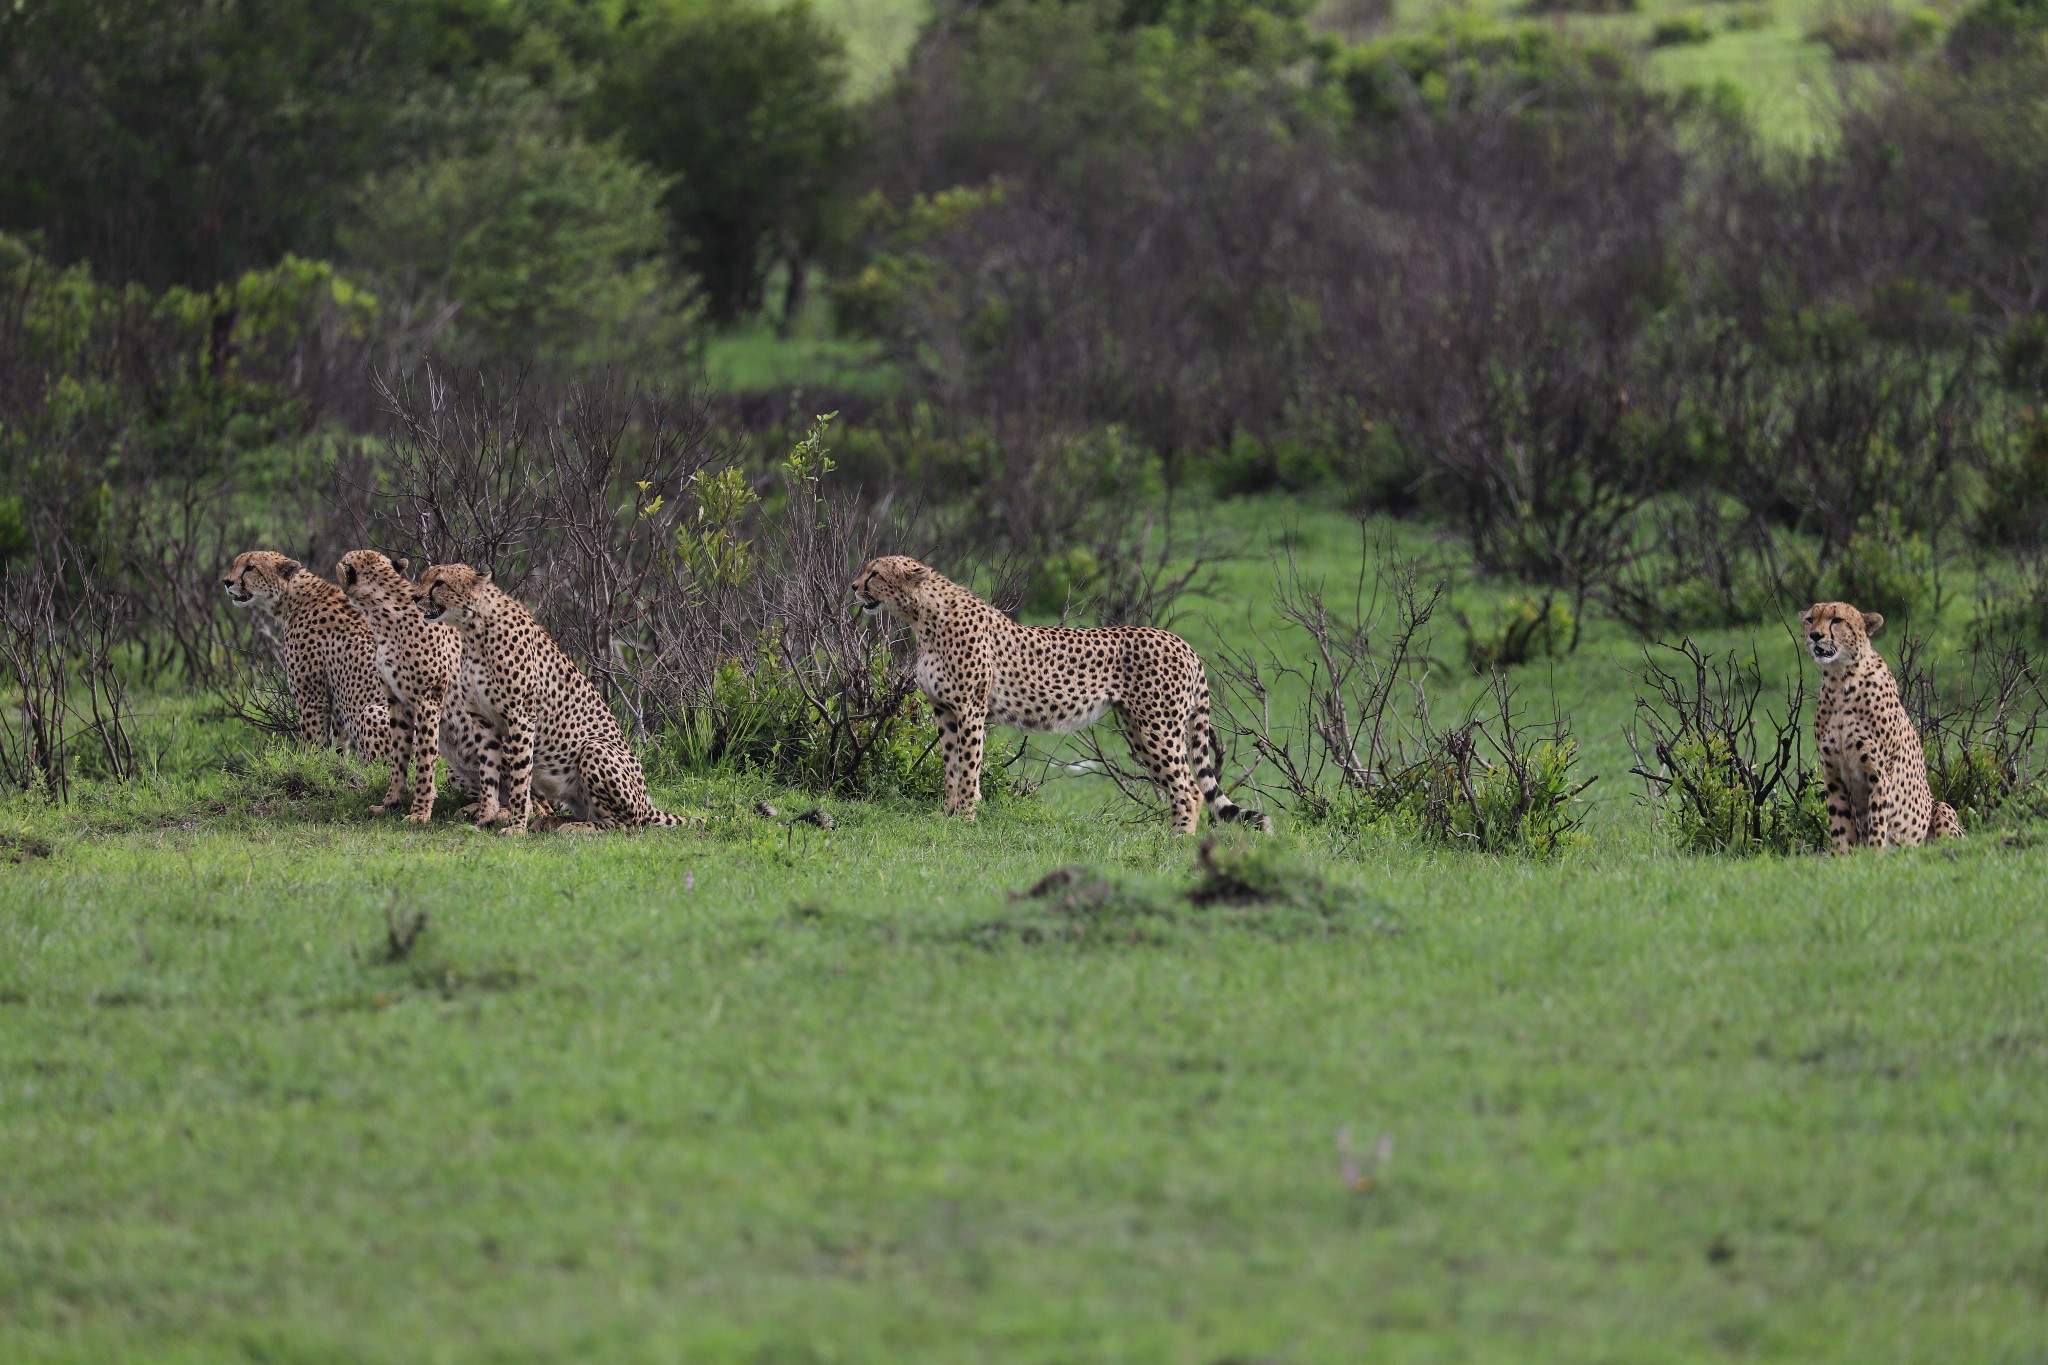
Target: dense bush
533 243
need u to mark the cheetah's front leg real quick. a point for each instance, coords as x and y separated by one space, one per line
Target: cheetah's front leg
516 734
399 744
962 732
1841 815
426 752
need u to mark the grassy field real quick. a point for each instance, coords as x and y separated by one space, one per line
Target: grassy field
1789 82
762 1093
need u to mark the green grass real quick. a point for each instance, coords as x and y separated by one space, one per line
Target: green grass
755 358
759 1093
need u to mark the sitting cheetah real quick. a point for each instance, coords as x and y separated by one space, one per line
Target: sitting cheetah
560 741
978 667
420 665
1870 753
330 657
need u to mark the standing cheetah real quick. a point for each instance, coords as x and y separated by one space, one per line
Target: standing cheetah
978 667
1870 753
420 664
330 657
560 741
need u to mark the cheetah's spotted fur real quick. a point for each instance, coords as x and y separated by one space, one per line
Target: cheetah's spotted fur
1870 753
330 657
978 667
420 665
560 742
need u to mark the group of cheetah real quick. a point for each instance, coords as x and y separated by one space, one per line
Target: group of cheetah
451 668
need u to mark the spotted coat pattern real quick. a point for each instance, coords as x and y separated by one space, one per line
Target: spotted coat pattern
560 742
978 668
1870 753
420 666
330 657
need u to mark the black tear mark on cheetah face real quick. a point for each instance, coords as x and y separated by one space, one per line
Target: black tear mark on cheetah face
259 575
891 583
1837 633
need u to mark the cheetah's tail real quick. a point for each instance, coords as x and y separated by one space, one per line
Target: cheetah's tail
664 820
1943 824
1205 756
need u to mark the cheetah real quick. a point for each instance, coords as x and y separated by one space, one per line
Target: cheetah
420 665
978 667
1870 753
330 657
561 743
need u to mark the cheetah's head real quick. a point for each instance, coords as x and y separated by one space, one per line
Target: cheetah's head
892 583
455 593
260 576
373 580
1838 634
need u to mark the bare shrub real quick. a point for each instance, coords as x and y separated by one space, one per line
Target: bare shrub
1724 772
1362 746
1982 730
60 631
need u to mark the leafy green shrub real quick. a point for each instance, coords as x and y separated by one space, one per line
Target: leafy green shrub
1885 568
1749 18
1524 629
761 720
1874 31
550 246
1681 30
1723 777
1982 734
2015 510
1993 29
1582 6
1525 803
1524 799
1062 581
1467 53
1717 804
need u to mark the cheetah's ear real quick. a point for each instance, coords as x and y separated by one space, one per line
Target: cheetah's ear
918 574
483 575
1873 622
288 568
403 564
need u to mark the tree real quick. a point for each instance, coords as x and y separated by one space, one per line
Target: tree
741 106
548 246
188 141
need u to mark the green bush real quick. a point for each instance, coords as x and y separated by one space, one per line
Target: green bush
1715 804
1725 774
738 105
1525 800
1523 629
551 247
1681 30
1992 29
1885 568
1872 31
760 721
1749 18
